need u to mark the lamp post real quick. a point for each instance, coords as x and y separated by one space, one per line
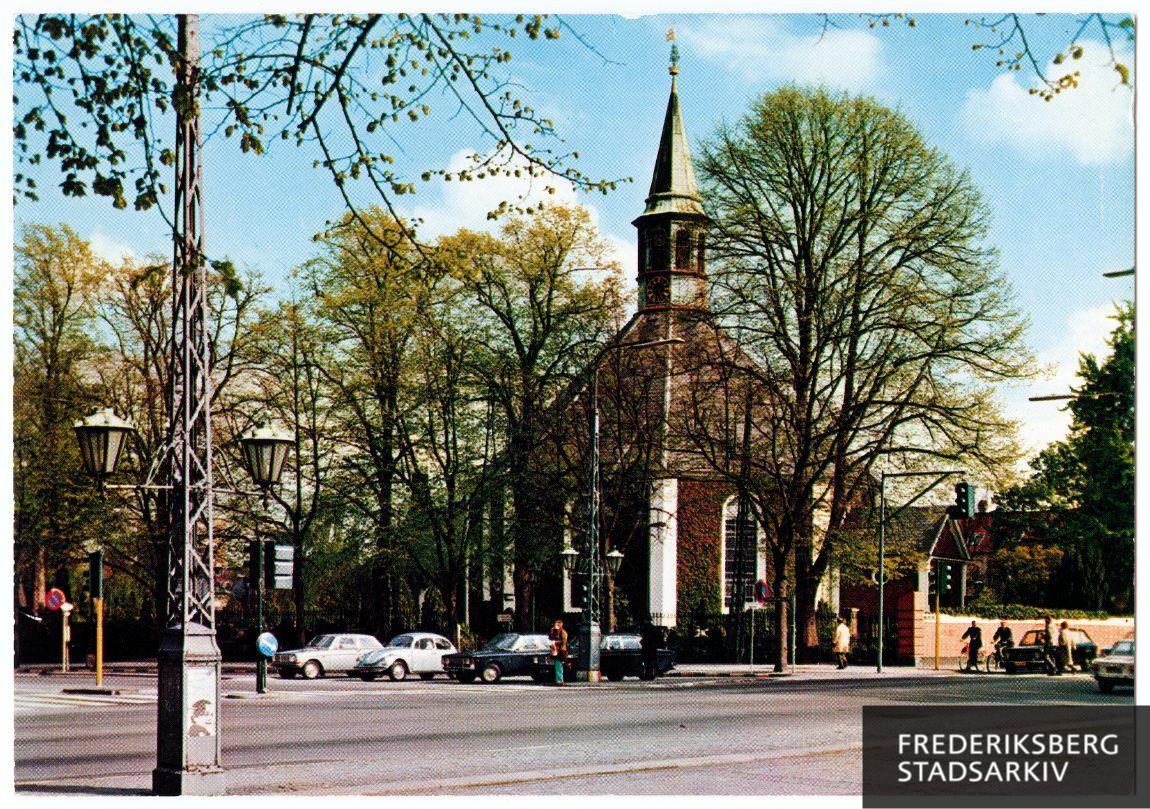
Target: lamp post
265 451
188 681
589 634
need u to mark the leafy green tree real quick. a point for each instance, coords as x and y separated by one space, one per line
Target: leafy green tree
540 322
56 507
1084 485
850 262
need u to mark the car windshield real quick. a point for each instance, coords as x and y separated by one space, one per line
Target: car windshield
402 641
321 642
505 641
618 642
1123 647
1032 638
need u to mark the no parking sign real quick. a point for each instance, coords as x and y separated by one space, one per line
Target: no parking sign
762 591
54 599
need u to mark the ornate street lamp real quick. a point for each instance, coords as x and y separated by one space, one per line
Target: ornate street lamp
265 450
101 436
614 562
570 559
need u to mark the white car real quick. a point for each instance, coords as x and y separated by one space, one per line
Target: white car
1115 667
412 652
324 654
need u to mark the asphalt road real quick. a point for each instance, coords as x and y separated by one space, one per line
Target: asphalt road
687 736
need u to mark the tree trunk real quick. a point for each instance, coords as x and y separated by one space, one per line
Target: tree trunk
39 579
782 625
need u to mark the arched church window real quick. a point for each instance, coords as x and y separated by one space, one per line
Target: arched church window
701 254
731 550
683 250
656 251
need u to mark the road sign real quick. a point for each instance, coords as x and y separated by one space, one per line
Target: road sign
762 591
54 599
267 644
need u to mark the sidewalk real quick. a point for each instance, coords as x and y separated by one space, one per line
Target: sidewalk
803 672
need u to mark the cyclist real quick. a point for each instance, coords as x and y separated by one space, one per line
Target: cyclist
1003 638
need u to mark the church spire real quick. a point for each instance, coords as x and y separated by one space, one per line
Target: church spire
673 188
672 252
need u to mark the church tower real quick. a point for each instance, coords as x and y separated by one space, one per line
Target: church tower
672 262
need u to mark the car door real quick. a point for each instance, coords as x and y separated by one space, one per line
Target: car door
345 651
424 658
442 647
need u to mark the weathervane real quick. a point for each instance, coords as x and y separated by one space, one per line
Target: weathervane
674 68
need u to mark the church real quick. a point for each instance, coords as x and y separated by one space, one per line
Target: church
662 505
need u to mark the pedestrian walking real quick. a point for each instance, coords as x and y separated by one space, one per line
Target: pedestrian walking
558 636
842 642
1048 648
650 639
973 638
1065 649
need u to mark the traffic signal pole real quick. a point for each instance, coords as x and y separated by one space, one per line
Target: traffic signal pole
261 661
939 476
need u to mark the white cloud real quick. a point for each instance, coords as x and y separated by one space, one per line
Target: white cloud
760 48
466 205
1085 331
109 249
1094 122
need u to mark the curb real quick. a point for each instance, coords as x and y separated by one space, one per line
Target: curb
110 692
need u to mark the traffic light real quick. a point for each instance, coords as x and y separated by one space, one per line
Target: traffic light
963 501
255 547
280 567
96 575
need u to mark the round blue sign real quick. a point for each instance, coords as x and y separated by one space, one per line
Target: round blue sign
267 644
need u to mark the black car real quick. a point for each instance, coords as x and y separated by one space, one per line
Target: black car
505 655
1028 654
622 656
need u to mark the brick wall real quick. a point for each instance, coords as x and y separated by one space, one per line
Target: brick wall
1104 633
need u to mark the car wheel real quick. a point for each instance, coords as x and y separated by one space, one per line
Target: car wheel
615 676
491 673
539 677
1105 686
398 671
287 675
427 676
367 678
465 678
311 669
1010 668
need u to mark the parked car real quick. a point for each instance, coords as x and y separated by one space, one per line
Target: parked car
1115 666
324 654
622 656
413 652
1028 654
506 655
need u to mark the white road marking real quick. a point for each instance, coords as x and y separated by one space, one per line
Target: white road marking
41 703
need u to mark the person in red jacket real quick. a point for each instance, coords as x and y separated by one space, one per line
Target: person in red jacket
558 636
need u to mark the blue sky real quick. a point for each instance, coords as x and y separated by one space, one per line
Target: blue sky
1058 176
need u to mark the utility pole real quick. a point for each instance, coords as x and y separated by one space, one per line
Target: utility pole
187 716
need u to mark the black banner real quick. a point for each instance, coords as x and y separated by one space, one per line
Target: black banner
998 755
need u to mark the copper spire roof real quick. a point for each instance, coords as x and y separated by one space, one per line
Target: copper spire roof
673 188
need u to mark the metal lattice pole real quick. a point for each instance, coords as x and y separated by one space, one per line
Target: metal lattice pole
188 723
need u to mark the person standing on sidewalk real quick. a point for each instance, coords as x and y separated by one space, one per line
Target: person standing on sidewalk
558 636
973 638
650 639
1065 648
842 644
1048 650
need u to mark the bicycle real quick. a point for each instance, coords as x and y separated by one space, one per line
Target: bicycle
994 661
